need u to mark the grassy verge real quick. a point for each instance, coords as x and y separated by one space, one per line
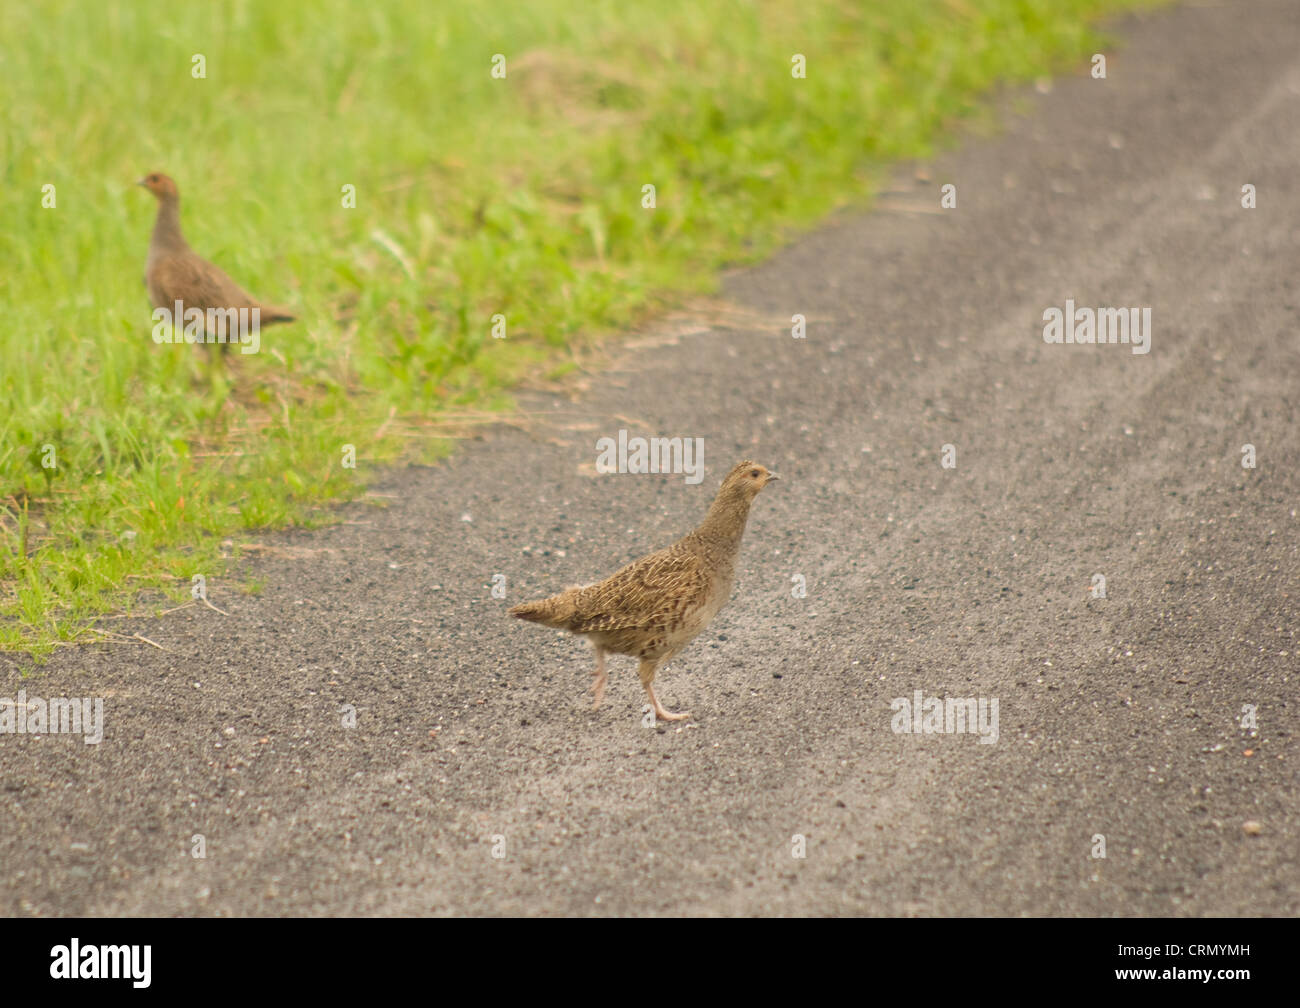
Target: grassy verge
123 470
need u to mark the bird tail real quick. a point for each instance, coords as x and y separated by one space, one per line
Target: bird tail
270 314
556 611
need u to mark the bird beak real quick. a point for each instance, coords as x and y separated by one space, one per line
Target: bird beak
140 182
772 477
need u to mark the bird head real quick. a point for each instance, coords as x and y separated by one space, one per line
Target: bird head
160 185
747 478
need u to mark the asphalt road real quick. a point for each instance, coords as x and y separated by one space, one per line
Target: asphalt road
1117 717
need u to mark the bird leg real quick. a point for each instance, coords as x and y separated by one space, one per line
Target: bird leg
217 372
598 687
647 672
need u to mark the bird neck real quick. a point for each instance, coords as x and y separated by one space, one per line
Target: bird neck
167 226
724 525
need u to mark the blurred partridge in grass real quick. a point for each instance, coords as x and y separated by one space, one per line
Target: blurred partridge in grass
174 273
656 606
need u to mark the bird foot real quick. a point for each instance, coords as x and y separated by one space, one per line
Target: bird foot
598 692
660 713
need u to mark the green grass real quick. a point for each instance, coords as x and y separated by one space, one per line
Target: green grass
474 196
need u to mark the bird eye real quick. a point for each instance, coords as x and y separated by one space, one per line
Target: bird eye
753 474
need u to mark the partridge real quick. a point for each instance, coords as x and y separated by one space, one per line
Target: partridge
175 274
653 608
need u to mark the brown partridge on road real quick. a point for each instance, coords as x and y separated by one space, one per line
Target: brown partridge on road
174 273
655 607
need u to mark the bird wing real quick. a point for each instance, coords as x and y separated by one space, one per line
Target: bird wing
653 592
196 283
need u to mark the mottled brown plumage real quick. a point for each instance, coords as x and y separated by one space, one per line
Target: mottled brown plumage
656 606
174 272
